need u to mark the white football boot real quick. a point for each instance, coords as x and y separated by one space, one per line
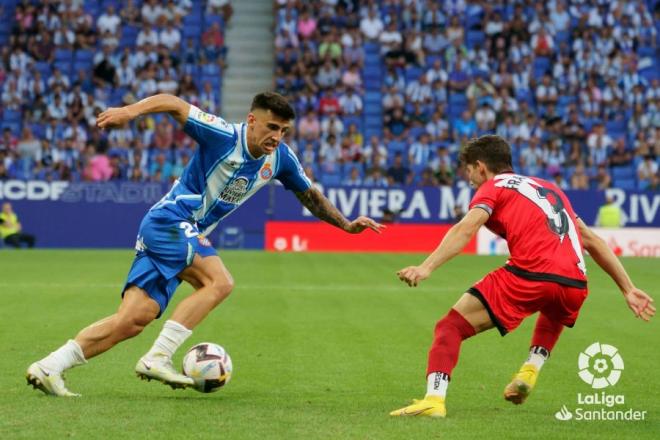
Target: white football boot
50 382
162 369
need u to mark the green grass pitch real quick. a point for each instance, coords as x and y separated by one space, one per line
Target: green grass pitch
323 345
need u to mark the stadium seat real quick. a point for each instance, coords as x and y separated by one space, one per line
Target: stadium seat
63 55
83 55
10 115
371 47
373 121
348 120
44 68
373 131
372 72
624 172
413 73
541 66
82 65
210 19
15 127
629 184
397 147
331 179
474 38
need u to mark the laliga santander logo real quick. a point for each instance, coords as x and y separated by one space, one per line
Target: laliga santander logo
600 365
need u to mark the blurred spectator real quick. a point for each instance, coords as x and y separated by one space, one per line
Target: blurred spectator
371 25
620 156
647 170
609 215
354 178
398 173
375 153
376 178
602 179
330 154
427 179
11 230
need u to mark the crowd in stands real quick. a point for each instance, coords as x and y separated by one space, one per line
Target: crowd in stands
62 62
387 91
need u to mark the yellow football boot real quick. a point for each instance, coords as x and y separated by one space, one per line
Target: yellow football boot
522 384
429 406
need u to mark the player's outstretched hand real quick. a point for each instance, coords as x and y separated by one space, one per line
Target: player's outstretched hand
640 303
361 223
412 275
113 117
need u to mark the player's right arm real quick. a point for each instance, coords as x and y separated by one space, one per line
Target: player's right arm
162 103
639 302
451 245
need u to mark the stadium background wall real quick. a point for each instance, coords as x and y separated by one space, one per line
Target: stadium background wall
107 215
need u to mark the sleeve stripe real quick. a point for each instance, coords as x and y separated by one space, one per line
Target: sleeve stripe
211 127
485 207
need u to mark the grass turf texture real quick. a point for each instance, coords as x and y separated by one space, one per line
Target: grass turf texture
324 346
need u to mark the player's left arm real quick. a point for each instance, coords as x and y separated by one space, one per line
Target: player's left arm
451 245
321 208
638 301
161 103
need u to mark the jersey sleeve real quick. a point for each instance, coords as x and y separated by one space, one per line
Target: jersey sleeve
290 172
209 130
485 197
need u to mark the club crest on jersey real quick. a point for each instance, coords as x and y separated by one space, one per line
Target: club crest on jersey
235 191
266 172
203 240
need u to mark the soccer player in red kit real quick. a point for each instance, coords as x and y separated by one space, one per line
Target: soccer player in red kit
545 273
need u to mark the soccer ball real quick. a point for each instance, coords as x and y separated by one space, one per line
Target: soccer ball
209 365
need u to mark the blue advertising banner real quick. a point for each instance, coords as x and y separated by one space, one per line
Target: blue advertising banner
436 205
63 214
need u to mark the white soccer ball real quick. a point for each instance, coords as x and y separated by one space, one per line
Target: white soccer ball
209 365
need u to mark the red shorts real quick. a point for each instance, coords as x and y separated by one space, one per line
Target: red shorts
509 299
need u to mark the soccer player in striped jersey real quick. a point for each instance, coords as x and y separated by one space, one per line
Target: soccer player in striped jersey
232 162
545 273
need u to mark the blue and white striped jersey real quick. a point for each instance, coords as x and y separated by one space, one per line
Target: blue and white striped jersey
222 173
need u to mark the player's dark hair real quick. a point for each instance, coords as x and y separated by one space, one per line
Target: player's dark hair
274 102
490 149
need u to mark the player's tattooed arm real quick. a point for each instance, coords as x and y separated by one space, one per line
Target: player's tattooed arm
322 209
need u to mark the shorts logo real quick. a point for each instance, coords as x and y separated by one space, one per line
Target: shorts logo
600 365
235 191
266 172
203 240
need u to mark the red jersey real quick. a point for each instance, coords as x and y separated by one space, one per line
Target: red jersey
536 219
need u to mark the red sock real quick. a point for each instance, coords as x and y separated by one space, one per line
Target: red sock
450 331
546 332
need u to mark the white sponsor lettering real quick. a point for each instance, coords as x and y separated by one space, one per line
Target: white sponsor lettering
32 190
418 203
448 201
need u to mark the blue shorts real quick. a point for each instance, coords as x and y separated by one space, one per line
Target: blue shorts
165 246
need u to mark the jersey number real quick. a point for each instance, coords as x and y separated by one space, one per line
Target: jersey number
557 219
188 229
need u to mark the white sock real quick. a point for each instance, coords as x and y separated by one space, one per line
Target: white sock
537 356
436 384
67 356
169 339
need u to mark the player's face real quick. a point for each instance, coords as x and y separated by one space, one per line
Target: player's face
476 173
265 131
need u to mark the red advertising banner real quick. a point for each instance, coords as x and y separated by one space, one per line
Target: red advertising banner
319 236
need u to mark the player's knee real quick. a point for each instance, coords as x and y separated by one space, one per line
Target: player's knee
221 288
131 326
